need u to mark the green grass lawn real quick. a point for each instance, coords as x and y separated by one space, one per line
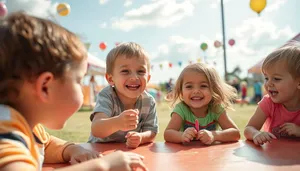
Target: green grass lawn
78 126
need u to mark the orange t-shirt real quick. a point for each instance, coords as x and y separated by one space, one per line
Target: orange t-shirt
19 143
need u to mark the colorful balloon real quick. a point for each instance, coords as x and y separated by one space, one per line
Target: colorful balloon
179 63
258 5
217 44
199 60
203 46
102 46
3 9
170 64
161 66
231 42
63 9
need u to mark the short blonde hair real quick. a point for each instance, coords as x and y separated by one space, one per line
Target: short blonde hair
129 50
222 93
289 54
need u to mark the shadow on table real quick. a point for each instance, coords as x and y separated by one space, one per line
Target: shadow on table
279 152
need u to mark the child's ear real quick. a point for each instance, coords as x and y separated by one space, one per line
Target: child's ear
42 85
148 79
109 79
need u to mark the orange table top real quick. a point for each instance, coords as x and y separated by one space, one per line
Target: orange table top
279 155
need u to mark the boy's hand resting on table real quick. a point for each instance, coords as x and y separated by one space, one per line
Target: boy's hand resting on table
124 161
128 120
134 139
262 137
188 135
77 154
205 136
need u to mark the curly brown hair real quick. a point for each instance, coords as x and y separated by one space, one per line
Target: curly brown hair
30 46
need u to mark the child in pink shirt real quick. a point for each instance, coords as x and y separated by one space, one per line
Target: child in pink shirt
279 111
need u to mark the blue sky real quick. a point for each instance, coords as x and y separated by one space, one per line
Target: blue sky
172 31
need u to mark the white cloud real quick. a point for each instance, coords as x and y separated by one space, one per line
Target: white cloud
274 5
161 13
255 38
40 8
103 1
128 3
103 25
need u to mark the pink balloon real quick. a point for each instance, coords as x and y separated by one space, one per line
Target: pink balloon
217 44
231 42
3 9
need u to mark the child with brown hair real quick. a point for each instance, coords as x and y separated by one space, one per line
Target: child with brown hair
279 111
41 69
124 111
203 99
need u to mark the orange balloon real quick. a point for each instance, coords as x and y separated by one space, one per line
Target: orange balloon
102 45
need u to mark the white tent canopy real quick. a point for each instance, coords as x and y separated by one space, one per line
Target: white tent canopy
96 66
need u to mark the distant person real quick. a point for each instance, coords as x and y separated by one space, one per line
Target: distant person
41 69
236 85
93 89
169 85
257 86
279 111
203 100
244 93
124 111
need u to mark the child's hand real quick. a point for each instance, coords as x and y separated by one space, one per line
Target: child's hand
128 119
205 136
188 135
134 139
262 137
78 154
124 161
290 129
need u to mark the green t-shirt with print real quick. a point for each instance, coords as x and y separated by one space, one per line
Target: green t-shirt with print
209 122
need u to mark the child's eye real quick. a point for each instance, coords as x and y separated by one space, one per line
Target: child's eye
124 71
204 86
277 79
266 78
188 86
142 72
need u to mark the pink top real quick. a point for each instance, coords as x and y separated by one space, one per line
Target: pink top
277 115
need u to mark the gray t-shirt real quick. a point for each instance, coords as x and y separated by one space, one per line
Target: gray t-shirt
109 103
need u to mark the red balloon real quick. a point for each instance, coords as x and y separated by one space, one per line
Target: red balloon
3 9
170 65
102 45
231 42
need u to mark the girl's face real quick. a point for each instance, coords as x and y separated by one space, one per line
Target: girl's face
280 85
196 90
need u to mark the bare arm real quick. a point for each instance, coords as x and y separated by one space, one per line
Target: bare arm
172 132
229 132
103 126
255 123
147 136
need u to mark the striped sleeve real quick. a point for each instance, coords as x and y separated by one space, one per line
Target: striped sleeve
16 143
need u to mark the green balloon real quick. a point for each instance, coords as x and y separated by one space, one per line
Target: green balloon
203 46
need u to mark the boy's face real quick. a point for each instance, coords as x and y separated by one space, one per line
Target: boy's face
129 76
66 96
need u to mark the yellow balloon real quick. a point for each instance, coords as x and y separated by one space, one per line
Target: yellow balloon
63 9
258 5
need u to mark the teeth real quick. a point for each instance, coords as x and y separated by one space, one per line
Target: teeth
195 98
